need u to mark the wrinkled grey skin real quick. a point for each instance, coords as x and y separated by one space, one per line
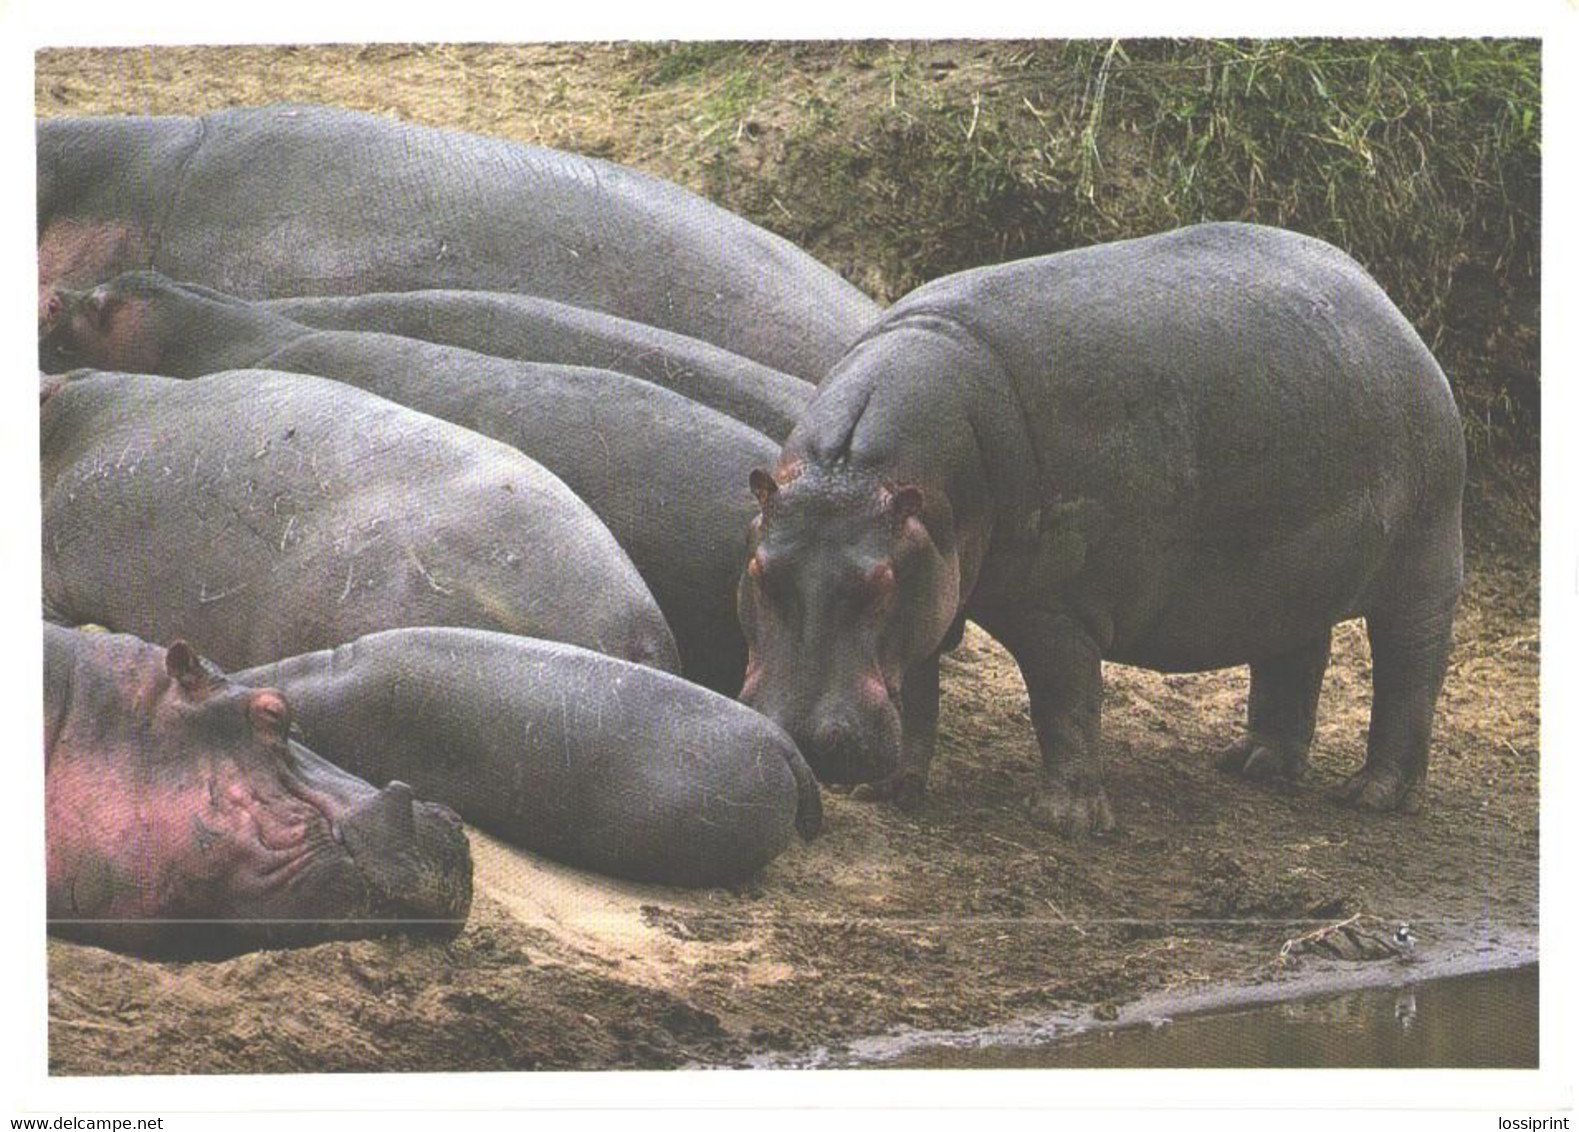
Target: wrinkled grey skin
530 329
305 200
600 764
180 819
666 475
1184 452
261 515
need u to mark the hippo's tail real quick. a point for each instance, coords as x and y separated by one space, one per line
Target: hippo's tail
808 805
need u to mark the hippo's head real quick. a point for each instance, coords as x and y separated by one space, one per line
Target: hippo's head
182 819
120 325
109 327
845 588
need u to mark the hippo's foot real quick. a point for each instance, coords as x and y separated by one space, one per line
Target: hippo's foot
1265 760
906 790
1074 810
1382 789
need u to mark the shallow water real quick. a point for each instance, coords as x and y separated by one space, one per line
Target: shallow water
1489 1020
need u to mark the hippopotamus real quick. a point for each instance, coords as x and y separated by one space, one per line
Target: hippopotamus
1188 451
260 515
665 474
316 200
592 761
530 329
182 819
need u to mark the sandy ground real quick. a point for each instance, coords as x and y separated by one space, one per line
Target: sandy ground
963 914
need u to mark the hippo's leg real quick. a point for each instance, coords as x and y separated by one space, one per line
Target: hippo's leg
1284 690
1411 636
1408 663
918 717
1062 667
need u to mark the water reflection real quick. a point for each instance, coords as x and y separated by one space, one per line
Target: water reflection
1471 1021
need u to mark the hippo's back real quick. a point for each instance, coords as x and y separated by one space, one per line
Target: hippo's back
306 200
1262 432
584 758
262 514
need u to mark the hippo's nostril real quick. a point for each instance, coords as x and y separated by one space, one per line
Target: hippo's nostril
387 815
836 735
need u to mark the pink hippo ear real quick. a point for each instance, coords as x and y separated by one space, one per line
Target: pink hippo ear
184 667
50 308
270 716
763 486
100 306
906 502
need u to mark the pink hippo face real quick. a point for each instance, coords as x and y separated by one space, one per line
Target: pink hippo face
844 589
182 819
109 327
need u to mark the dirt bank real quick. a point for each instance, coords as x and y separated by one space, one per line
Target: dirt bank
961 915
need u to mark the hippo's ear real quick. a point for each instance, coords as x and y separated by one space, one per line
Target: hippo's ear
50 308
100 305
763 486
906 502
185 668
269 714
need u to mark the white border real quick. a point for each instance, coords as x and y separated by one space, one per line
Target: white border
1238 1098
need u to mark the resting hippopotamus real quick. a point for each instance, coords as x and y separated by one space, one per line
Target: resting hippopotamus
264 514
588 760
181 819
668 476
1189 451
303 200
530 329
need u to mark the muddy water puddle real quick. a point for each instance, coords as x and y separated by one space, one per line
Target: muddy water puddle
1487 1018
1480 1021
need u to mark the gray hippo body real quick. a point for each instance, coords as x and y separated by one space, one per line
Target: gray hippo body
665 474
260 515
1189 451
531 329
181 820
588 760
302 200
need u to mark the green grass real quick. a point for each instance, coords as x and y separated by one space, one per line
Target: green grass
902 162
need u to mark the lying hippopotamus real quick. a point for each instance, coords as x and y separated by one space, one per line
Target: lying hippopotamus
588 760
180 819
530 329
263 514
667 475
303 200
1189 451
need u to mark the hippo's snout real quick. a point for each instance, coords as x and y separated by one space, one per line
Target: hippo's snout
847 747
414 855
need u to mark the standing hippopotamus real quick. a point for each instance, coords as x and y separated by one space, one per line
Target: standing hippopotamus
530 329
303 200
181 819
263 514
588 760
1189 451
667 476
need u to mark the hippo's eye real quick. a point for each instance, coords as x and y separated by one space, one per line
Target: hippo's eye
775 584
769 572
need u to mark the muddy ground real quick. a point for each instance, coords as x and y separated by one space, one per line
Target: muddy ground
960 915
